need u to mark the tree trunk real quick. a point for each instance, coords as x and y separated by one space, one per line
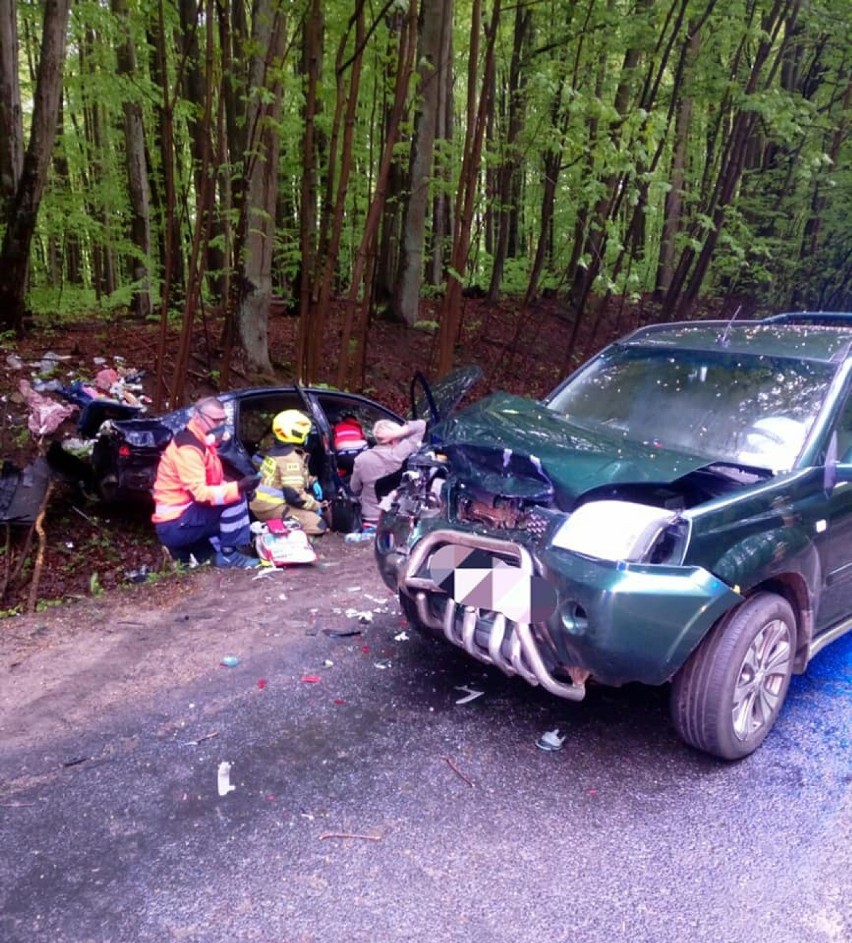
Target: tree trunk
693 264
312 331
366 249
137 172
386 264
508 183
24 206
312 48
674 198
258 218
450 317
11 113
406 299
442 221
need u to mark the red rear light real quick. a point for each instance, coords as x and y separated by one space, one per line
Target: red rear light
124 451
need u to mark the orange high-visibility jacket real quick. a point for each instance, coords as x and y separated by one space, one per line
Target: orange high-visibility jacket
190 470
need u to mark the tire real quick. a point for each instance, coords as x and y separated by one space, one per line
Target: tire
729 693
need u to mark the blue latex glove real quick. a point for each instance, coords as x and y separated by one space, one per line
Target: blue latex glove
316 487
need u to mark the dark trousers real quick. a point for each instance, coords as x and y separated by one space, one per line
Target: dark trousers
191 533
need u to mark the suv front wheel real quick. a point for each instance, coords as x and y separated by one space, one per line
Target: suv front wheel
727 696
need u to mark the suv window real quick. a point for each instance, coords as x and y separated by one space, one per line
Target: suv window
844 432
739 408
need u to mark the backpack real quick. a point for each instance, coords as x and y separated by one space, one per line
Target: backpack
282 543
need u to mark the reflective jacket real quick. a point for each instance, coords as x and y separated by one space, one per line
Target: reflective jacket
284 479
190 470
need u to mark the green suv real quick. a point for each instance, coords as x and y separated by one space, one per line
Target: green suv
678 510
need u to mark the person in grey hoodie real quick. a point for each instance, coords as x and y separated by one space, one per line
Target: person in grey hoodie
394 443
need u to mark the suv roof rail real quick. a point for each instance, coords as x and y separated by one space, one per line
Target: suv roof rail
814 318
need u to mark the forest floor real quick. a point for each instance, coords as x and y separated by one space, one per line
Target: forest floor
89 549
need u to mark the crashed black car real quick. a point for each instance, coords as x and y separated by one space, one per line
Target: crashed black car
678 510
126 451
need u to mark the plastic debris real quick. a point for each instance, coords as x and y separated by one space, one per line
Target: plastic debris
224 779
230 661
551 741
402 637
470 694
310 679
382 664
45 416
261 683
364 617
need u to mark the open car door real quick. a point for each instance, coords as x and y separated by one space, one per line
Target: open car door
436 402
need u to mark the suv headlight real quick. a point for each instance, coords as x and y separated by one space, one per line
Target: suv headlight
624 530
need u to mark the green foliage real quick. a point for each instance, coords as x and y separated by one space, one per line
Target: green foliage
592 92
428 327
43 604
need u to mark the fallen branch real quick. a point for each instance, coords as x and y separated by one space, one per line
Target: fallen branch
86 517
350 835
39 563
7 562
458 772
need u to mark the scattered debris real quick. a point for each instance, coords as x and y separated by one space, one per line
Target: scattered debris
403 637
46 415
350 835
230 661
551 741
264 572
470 694
224 779
75 762
261 683
310 679
458 772
207 736
342 633
363 616
385 663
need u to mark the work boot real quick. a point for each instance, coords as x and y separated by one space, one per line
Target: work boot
236 560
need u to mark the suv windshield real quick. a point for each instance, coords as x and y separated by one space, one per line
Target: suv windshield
727 407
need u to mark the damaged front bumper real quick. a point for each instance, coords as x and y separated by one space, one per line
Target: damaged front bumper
613 622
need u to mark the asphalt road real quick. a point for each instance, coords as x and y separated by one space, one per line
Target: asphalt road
370 806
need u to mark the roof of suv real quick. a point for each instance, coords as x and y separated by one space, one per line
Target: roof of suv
777 338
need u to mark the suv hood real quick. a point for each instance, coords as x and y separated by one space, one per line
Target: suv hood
514 446
436 402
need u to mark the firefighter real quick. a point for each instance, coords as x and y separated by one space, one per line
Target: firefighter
197 513
287 488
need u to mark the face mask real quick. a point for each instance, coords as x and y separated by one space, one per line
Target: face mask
219 433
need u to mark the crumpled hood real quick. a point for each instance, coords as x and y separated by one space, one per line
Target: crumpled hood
511 445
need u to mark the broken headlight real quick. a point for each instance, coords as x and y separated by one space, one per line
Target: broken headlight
624 530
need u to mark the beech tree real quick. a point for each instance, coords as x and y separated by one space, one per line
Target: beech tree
27 187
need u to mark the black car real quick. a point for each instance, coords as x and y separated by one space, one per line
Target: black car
126 451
